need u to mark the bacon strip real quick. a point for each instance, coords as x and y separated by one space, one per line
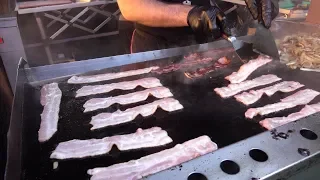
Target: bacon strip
300 98
233 89
100 103
50 99
246 69
136 169
92 147
126 85
109 119
108 76
308 110
253 96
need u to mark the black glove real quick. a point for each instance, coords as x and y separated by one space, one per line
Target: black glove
204 22
263 10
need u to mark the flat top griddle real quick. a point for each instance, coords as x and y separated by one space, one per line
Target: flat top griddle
204 113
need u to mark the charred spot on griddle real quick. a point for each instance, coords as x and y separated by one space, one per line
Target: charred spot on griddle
304 152
276 135
290 130
283 135
173 168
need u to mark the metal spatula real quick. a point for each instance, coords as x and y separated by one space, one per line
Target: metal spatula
262 42
243 49
249 47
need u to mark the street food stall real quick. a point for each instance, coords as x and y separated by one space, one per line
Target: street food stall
195 113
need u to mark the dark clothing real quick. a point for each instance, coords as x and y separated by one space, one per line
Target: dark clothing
143 41
168 33
147 38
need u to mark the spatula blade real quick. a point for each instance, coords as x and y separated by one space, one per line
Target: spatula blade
264 42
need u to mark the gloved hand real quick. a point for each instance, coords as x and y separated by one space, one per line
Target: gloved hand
204 21
263 10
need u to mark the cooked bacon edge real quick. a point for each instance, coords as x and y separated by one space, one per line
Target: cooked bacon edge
246 69
108 76
308 110
253 96
100 103
110 119
92 147
136 169
50 100
233 89
126 85
299 98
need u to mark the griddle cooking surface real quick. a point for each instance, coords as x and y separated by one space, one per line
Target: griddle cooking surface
204 113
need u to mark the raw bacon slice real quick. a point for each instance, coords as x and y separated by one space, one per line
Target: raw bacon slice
136 169
92 147
108 76
99 103
119 117
308 110
126 85
233 89
50 100
246 69
300 98
253 96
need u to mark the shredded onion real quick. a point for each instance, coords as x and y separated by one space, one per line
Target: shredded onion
301 51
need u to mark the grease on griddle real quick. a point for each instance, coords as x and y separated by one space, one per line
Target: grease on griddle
184 64
220 63
175 167
280 135
192 60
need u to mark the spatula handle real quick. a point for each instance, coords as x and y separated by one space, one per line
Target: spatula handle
229 38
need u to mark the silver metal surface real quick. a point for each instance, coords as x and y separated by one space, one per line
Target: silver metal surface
12 48
74 39
43 73
14 132
10 42
72 20
241 2
67 23
307 69
44 37
283 161
64 27
65 14
61 14
64 6
76 18
264 42
282 155
10 61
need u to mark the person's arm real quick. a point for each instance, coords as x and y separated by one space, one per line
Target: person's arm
155 13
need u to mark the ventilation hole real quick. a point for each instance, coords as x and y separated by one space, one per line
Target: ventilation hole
308 134
197 176
229 167
258 155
